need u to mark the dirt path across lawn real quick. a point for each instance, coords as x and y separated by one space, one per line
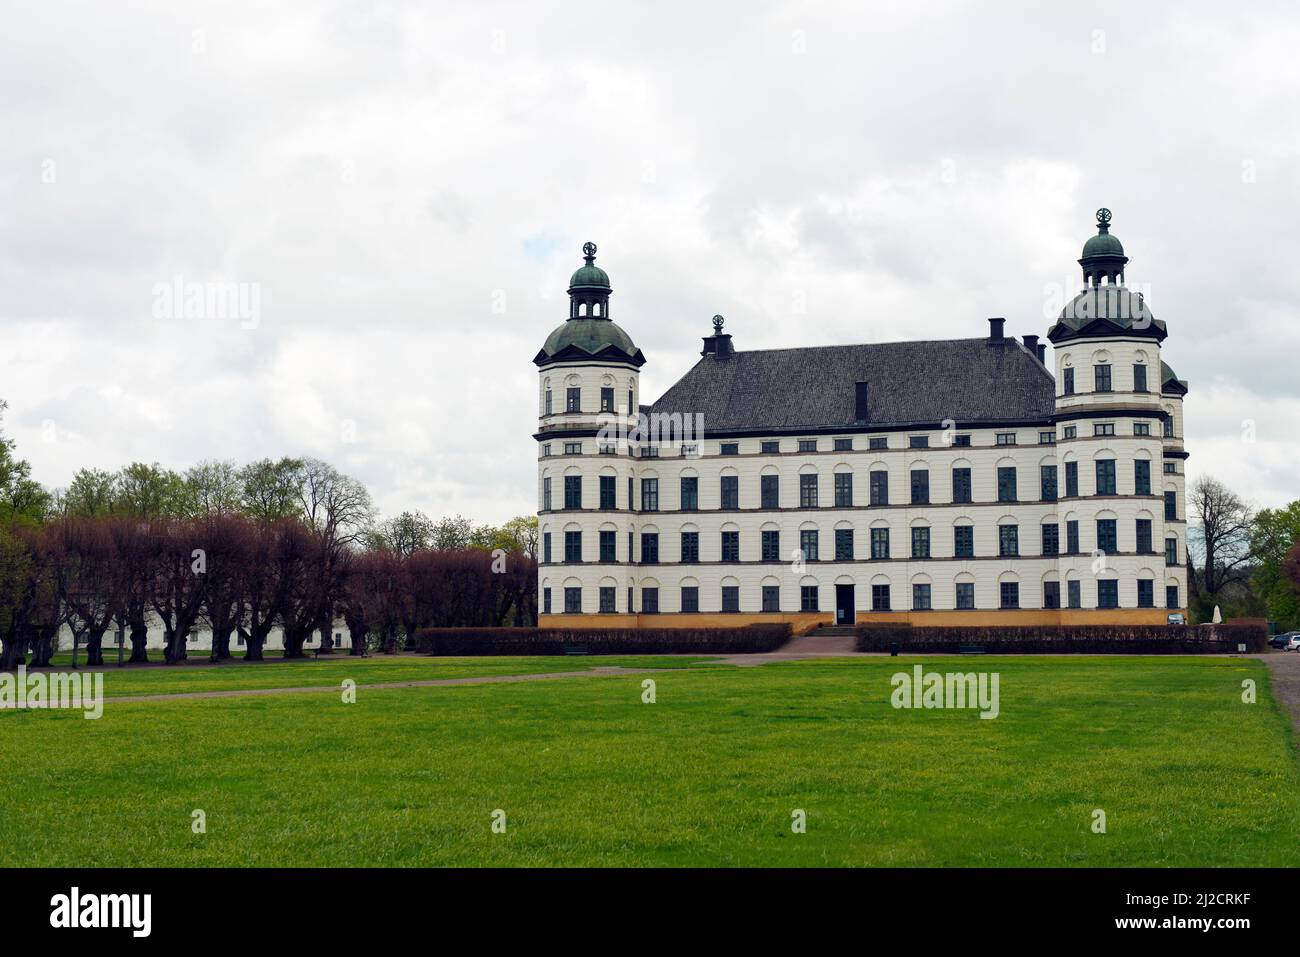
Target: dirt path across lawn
1284 669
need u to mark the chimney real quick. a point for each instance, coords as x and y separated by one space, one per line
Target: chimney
1031 344
995 328
860 391
1042 353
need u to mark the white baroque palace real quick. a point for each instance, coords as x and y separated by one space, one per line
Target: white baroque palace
941 482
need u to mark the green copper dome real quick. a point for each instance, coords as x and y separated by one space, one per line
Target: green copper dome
589 276
1103 244
589 334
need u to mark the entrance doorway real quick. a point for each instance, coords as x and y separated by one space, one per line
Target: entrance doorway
844 605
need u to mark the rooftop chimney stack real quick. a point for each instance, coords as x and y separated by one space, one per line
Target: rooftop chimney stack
860 401
996 325
1042 353
1031 344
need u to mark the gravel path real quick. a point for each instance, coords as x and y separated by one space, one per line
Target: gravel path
1284 669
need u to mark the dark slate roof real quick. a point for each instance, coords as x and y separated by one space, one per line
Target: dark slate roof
910 384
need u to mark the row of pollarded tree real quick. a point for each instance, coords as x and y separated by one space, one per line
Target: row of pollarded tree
238 576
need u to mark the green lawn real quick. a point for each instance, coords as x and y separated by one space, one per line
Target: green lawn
587 774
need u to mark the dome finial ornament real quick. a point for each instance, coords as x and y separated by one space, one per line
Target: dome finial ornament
589 252
1103 215
717 325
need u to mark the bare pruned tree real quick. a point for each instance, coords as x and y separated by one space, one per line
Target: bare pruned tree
1222 523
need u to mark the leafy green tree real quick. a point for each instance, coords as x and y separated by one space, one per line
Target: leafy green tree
272 491
1275 534
215 488
91 494
144 491
21 497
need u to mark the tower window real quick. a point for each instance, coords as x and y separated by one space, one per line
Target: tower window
1101 378
606 399
573 399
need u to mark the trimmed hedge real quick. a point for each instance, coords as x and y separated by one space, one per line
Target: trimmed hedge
1067 639
749 639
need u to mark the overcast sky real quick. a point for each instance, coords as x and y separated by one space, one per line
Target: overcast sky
405 189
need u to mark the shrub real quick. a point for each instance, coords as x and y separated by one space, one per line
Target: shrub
1067 639
749 639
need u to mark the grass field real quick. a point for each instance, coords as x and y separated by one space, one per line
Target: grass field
587 774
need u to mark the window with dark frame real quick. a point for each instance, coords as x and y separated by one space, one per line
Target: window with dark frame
769 491
690 548
808 544
731 546
808 490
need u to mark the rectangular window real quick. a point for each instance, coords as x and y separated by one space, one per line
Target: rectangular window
546 547
807 445
1074 594
546 494
1051 538
963 541
1103 428
650 495
1101 378
1107 537
1171 596
607 598
1008 541
573 400
549 403
546 450
690 547
690 598
1146 593
878 442
1070 432
573 546
961 441
572 448
690 450
731 598
1051 594
771 447
573 491
921 597
880 598
1144 536
961 485
808 544
690 492
843 489
844 544
546 605
1108 593
843 445
1171 506
1072 537
1006 438
731 546
606 399
771 539
1071 479
921 541
918 441
1009 595
650 548
879 484
880 543
1047 481
649 451
1067 387
920 486
769 491
1141 428
1167 427
1141 477
1139 378
1105 476
649 601
965 596
608 544
731 491
808 491
771 598
1046 438
1171 552
729 448
1007 483
573 601
1171 468
607 492
808 598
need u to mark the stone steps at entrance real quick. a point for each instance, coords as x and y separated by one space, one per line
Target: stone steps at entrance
831 631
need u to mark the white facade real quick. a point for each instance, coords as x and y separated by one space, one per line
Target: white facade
827 520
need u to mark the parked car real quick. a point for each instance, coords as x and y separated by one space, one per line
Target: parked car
1294 643
1279 641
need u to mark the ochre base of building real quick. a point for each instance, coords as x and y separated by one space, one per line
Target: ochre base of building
804 622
